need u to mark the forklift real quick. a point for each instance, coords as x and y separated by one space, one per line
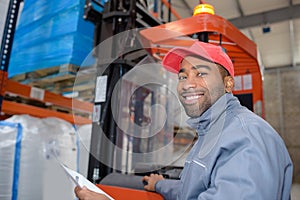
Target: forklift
139 126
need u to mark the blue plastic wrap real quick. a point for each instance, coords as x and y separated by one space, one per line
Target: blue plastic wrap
50 33
10 153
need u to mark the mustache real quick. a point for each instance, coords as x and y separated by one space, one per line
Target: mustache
193 91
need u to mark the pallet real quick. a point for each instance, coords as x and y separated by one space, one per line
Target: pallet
50 72
47 78
60 80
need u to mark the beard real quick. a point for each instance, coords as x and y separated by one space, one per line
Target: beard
196 110
206 100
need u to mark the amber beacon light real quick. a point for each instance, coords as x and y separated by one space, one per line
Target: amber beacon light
204 8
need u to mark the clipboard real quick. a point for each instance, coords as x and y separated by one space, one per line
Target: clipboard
81 181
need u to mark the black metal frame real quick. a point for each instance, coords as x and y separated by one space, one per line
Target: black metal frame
6 44
117 16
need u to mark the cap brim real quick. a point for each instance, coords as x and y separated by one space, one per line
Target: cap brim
174 57
205 51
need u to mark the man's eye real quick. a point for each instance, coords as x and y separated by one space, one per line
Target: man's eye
202 74
181 78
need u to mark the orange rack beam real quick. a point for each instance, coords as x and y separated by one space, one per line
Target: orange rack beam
56 99
10 108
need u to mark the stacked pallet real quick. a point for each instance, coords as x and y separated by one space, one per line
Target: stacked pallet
68 80
51 43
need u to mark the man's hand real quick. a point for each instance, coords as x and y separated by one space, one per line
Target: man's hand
86 194
151 180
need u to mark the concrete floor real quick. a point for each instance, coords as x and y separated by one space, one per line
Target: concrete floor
295 194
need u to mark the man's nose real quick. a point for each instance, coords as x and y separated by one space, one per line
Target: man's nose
190 82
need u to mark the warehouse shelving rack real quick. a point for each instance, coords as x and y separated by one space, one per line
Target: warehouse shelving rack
84 109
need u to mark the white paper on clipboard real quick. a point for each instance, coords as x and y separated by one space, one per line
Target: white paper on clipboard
81 181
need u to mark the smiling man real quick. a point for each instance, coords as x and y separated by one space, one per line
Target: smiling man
238 155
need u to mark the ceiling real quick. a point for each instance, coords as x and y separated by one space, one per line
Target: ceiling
280 47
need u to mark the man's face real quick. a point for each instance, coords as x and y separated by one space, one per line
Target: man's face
200 85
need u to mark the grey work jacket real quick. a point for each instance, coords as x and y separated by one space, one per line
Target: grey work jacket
237 156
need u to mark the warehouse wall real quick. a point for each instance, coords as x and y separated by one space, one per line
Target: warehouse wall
282 109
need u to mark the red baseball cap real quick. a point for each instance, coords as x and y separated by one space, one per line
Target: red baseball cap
208 51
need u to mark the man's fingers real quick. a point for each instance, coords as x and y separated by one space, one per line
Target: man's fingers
145 180
76 189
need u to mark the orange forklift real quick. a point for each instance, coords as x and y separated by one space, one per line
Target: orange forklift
138 131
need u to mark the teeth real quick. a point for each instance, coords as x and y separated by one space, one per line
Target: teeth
192 97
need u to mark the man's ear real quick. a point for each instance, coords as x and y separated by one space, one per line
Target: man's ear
229 84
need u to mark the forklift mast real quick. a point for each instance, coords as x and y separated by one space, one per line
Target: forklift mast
110 19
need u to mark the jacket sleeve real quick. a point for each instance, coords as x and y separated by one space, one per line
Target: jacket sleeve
168 188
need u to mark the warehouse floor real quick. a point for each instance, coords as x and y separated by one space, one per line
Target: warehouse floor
296 192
